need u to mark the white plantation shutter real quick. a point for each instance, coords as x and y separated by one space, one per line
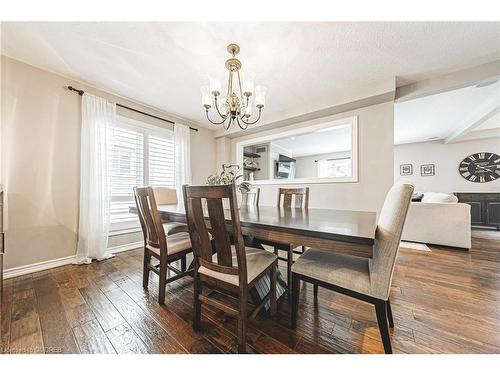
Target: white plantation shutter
127 171
161 160
140 155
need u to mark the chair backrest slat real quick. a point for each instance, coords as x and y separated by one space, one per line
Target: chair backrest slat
196 214
301 197
200 238
219 231
165 195
152 228
388 236
251 198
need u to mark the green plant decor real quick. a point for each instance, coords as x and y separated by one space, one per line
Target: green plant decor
229 175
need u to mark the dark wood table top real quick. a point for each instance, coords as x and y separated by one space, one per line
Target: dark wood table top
340 225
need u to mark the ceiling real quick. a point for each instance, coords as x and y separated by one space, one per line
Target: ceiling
303 65
322 141
442 115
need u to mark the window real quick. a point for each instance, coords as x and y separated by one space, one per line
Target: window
140 154
334 167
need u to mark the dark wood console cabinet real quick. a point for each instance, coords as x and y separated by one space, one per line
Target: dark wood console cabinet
484 208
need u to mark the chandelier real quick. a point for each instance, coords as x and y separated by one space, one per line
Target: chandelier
236 106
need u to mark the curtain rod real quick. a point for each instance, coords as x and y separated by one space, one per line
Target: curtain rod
81 92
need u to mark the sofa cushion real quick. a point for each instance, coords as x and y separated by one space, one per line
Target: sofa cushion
447 224
439 198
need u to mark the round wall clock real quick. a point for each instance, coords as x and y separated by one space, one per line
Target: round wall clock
480 167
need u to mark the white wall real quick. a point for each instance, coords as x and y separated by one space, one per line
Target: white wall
307 166
203 155
446 158
40 153
376 160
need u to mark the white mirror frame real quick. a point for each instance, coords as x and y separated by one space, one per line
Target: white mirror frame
352 121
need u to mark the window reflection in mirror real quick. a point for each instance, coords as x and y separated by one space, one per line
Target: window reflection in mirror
326 152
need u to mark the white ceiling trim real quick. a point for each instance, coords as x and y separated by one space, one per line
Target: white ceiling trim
448 116
490 110
448 82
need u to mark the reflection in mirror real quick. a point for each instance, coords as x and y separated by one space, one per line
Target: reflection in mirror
320 153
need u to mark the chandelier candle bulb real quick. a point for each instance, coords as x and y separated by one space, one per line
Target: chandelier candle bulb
260 96
215 87
235 106
206 98
248 88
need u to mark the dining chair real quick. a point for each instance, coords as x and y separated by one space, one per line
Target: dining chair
166 195
251 197
165 248
300 199
367 279
231 268
300 196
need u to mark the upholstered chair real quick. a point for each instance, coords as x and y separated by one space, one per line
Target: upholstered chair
163 196
234 268
366 279
158 245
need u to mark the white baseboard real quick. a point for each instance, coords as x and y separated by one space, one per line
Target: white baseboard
42 266
126 247
36 267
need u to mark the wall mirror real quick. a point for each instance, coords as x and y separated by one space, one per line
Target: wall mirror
315 153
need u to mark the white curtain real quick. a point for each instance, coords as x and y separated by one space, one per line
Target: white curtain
182 158
98 116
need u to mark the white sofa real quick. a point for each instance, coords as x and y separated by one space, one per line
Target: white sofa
445 224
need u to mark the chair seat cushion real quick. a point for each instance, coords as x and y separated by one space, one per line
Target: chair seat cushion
349 272
257 261
175 243
172 227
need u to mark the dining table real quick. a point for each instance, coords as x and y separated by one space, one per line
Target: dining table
343 231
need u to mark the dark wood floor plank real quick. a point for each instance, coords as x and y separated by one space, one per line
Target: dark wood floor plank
5 317
78 312
219 336
168 320
57 334
25 328
126 341
92 339
307 347
443 301
104 311
470 328
268 345
79 276
154 336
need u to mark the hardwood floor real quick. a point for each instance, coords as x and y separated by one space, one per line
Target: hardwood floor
445 301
